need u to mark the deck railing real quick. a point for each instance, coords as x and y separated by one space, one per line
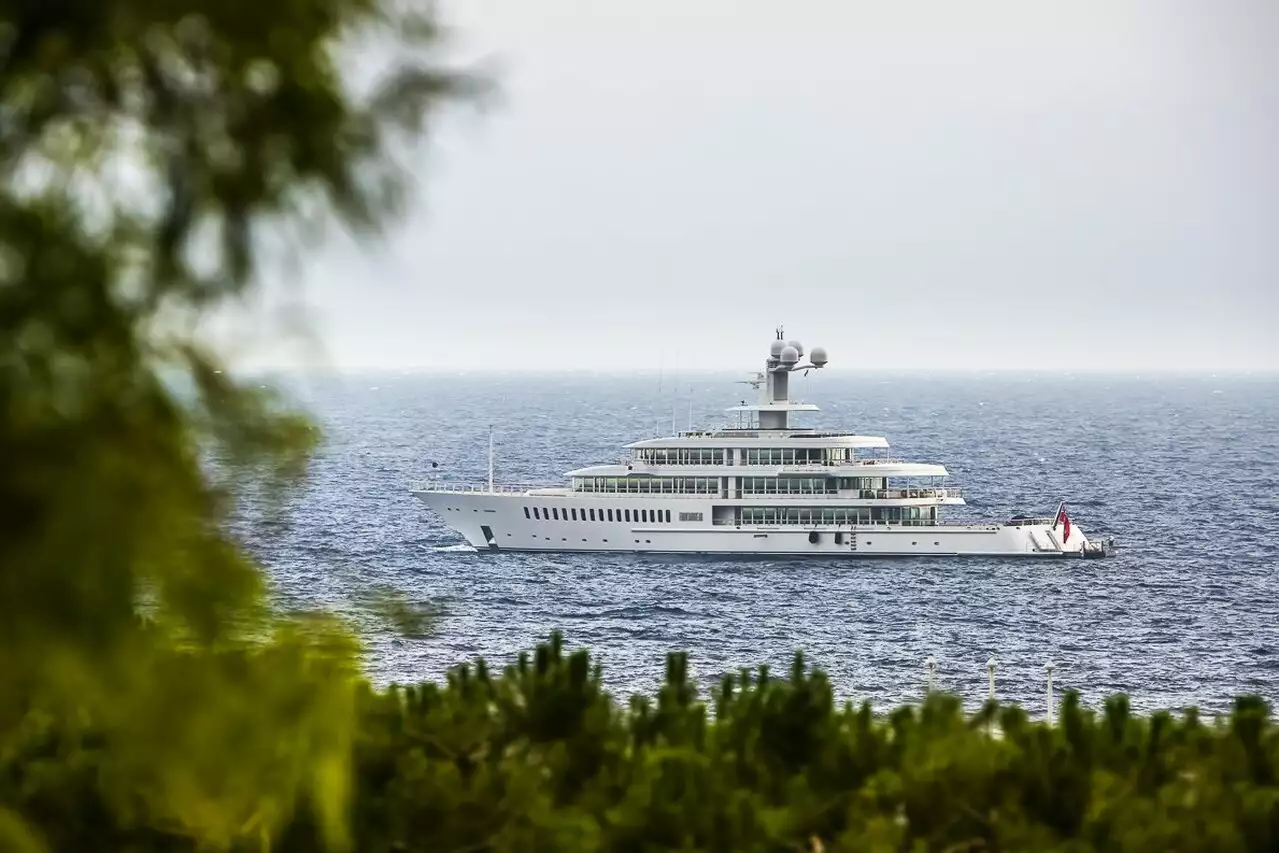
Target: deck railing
787 468
862 494
857 494
472 488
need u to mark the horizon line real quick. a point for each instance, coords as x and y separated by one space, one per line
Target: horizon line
569 370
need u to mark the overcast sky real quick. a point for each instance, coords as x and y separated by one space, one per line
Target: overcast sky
1071 186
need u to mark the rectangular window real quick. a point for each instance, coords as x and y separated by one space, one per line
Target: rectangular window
668 516
555 512
610 515
526 513
628 515
574 511
690 516
592 515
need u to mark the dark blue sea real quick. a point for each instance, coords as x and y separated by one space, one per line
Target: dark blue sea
1182 472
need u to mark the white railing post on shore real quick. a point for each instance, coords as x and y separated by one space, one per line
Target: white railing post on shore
931 666
990 676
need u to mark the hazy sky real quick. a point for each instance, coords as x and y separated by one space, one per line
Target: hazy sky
982 184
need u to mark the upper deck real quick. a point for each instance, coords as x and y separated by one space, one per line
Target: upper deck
740 438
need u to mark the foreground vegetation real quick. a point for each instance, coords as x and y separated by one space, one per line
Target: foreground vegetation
539 757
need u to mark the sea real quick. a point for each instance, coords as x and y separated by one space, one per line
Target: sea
1182 471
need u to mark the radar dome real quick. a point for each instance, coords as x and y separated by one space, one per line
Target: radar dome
818 356
775 349
799 348
790 355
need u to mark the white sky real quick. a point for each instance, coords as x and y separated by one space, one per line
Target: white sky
1073 186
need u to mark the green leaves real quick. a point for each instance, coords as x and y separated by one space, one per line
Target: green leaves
541 757
149 697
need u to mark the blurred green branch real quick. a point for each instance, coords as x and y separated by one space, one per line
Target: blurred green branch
149 152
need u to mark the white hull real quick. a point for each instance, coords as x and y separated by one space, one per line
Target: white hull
497 521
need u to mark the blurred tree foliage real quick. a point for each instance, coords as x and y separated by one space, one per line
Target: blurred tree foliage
147 150
539 757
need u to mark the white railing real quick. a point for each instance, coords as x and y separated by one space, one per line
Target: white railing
786 468
863 494
472 488
856 494
852 526
706 496
909 494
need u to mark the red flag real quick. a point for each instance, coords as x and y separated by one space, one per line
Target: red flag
1064 521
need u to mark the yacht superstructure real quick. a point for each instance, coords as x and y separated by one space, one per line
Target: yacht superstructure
763 486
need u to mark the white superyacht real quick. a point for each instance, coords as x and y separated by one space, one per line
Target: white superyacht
761 487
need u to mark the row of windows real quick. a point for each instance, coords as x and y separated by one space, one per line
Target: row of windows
814 486
787 486
846 483
711 485
842 515
796 455
642 516
681 455
750 456
648 485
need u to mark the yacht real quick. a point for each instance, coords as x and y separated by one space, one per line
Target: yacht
762 486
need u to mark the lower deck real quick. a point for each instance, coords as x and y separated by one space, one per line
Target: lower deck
518 522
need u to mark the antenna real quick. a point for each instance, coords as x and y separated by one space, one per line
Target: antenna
661 369
491 490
